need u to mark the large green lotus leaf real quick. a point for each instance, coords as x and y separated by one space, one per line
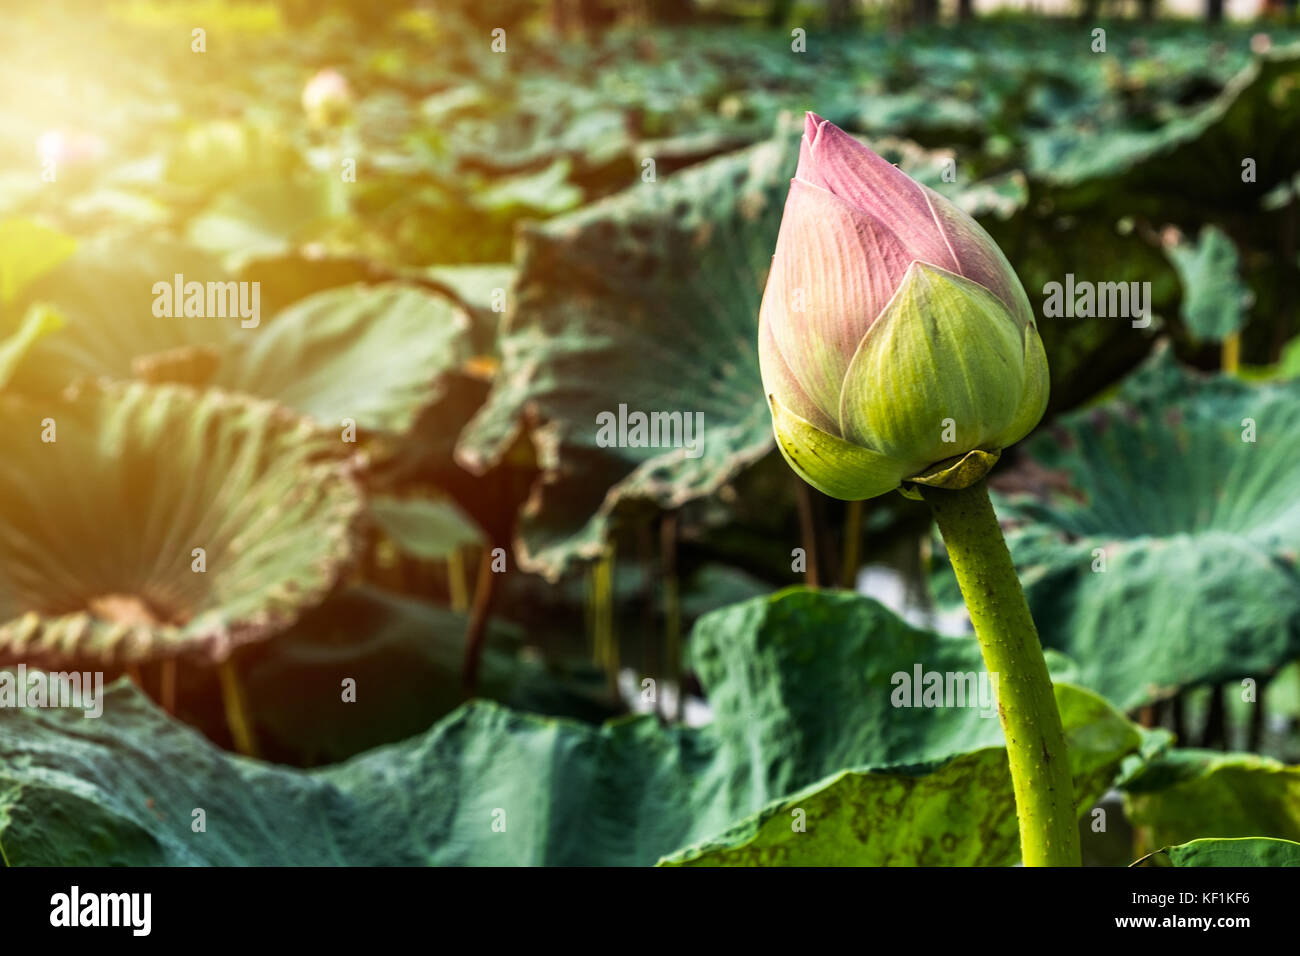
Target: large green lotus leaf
475 285
1246 851
544 193
1215 299
955 813
28 251
550 122
1197 530
100 523
1186 795
755 658
105 294
428 528
481 289
649 300
627 792
1196 155
376 355
268 217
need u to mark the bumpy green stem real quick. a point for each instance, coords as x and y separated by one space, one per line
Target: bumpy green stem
1040 766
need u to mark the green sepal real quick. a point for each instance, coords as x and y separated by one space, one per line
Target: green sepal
830 464
945 348
957 473
1033 401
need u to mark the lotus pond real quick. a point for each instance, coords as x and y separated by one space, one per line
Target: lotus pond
392 475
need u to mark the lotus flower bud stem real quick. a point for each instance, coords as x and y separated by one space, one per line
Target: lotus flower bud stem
485 591
672 609
1036 751
167 686
239 719
807 534
852 545
1230 355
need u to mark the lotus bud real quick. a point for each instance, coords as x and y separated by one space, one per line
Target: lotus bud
327 98
897 345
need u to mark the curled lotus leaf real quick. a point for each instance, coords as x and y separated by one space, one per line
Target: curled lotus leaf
377 355
1215 299
645 302
1190 159
146 522
104 292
